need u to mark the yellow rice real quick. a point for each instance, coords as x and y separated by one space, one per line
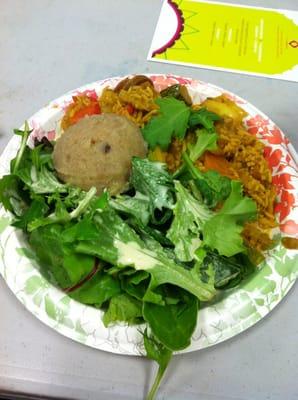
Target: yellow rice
139 97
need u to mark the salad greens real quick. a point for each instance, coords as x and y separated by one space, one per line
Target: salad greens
152 255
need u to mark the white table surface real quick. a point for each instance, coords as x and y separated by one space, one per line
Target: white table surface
48 47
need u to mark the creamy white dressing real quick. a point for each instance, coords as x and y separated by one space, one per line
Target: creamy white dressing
194 245
132 254
33 173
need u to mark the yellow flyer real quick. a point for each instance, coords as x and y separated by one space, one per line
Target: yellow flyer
228 37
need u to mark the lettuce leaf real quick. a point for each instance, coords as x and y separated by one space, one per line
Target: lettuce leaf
153 181
119 245
223 231
189 218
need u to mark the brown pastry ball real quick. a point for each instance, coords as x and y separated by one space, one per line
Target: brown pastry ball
97 151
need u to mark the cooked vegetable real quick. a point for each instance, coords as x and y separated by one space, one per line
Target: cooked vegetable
179 92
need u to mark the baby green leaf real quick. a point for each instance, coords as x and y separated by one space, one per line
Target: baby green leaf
203 117
172 120
123 308
189 217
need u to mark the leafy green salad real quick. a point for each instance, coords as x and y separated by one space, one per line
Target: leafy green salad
153 255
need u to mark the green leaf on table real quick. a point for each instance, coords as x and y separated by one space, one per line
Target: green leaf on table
172 121
159 353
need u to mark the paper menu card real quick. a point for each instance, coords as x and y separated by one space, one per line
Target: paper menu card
228 37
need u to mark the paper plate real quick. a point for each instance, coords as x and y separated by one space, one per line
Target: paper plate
235 312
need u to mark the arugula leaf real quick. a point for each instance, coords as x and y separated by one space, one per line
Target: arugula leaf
189 218
223 231
123 308
152 180
159 353
203 117
172 120
213 187
205 141
25 135
173 324
97 290
61 215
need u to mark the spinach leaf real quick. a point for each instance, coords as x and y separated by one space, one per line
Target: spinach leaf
97 290
123 308
136 284
159 353
173 324
36 210
189 218
66 266
172 121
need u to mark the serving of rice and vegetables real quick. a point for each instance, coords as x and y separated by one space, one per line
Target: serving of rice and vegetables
148 206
